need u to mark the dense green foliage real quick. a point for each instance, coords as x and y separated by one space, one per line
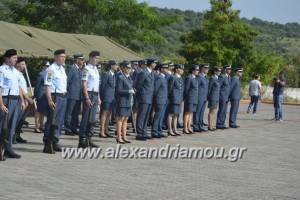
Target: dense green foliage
183 36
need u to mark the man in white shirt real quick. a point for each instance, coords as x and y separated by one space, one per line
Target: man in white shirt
254 93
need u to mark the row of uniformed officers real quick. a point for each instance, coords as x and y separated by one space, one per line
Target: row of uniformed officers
143 90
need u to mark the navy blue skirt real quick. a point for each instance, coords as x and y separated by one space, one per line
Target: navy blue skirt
123 111
106 106
42 105
175 109
190 107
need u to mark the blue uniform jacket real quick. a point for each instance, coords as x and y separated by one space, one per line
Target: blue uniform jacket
202 88
213 91
145 86
224 87
123 85
39 90
235 88
74 83
161 90
107 87
191 90
176 90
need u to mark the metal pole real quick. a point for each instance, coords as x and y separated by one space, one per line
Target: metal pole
31 90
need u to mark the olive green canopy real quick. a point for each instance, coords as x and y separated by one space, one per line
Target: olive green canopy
34 42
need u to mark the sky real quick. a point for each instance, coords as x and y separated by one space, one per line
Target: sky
282 11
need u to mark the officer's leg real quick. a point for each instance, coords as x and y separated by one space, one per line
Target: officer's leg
233 112
255 103
68 116
203 105
145 132
141 118
196 117
156 120
161 119
280 106
83 126
220 114
13 116
59 119
75 116
93 120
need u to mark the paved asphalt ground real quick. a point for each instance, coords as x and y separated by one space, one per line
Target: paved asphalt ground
269 169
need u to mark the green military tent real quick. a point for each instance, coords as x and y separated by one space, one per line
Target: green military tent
34 42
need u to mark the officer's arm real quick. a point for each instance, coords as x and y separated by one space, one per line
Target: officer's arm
157 85
104 81
232 87
70 75
210 84
120 84
140 80
187 86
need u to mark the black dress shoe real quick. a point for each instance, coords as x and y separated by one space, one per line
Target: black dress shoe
222 127
177 134
120 141
75 132
125 140
141 138
212 129
48 148
108 135
56 147
148 137
162 136
234 126
19 139
91 144
186 132
69 133
11 154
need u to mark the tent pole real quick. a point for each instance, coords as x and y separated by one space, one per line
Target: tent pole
31 90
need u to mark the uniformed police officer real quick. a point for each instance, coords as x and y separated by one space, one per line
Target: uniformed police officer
107 96
56 92
190 98
90 83
10 98
124 101
202 98
213 97
20 66
175 90
74 94
235 96
41 99
224 81
144 90
160 101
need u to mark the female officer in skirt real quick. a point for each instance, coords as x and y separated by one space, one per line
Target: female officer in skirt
213 97
176 89
190 99
124 99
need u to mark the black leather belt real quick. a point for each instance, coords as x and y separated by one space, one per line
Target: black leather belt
59 94
93 93
14 97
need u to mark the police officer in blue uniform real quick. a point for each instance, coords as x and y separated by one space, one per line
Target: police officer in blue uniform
175 90
74 95
202 98
56 92
160 101
91 83
224 81
144 90
41 99
190 98
213 97
107 96
124 101
235 96
10 98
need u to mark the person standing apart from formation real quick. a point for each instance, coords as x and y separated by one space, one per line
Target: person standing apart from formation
74 95
160 101
107 96
176 90
234 97
41 99
254 93
10 98
279 83
124 101
20 66
90 88
224 81
213 97
56 92
144 90
202 98
190 99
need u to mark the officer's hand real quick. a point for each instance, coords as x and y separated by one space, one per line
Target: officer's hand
23 106
30 100
131 92
89 103
4 109
51 104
